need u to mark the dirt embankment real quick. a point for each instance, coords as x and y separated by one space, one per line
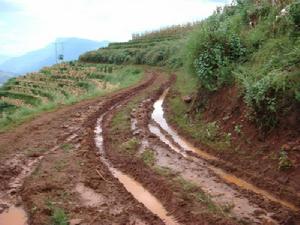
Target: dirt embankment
251 156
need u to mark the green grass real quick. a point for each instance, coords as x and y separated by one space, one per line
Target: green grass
193 192
12 116
207 133
131 146
58 215
148 157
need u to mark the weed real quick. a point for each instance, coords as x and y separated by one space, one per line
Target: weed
238 129
148 157
212 130
284 161
131 146
59 165
164 171
66 147
58 215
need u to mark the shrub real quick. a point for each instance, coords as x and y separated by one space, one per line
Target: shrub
284 161
217 53
261 98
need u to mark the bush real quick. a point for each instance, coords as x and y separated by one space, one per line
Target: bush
261 98
218 51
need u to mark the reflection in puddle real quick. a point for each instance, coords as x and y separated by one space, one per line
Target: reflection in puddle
158 117
13 216
131 185
143 196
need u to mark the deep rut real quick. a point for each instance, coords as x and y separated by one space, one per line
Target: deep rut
174 152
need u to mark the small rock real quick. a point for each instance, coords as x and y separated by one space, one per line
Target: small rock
151 136
226 118
187 99
75 221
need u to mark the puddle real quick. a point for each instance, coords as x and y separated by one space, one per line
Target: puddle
158 117
13 216
89 196
131 185
155 130
17 215
145 197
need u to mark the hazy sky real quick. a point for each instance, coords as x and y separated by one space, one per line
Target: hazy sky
26 25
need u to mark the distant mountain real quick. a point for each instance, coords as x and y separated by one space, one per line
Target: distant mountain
4 76
35 60
4 58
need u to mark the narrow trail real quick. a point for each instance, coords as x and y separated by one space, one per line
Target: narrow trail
68 157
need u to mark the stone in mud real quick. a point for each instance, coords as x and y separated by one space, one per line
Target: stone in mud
187 99
151 136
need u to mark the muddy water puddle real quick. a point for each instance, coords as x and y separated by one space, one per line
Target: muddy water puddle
13 216
132 186
158 117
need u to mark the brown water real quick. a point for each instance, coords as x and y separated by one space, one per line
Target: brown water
13 216
131 185
158 117
145 197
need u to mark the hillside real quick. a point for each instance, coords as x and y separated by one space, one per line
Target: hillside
60 84
34 61
156 48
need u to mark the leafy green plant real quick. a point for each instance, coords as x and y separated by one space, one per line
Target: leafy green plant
215 55
238 129
212 130
284 161
58 215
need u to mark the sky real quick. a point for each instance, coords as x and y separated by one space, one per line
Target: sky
26 25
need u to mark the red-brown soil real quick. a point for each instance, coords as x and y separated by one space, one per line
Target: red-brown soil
252 155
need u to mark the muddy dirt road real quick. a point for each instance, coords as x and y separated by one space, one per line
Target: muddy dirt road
115 160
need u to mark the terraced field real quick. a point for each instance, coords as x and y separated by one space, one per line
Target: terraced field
57 85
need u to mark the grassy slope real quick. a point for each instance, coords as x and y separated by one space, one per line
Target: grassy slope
26 97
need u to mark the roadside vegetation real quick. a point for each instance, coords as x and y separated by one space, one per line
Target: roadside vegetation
67 83
254 46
